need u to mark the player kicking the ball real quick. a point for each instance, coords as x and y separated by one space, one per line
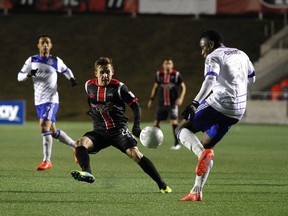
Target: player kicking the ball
220 103
43 69
107 98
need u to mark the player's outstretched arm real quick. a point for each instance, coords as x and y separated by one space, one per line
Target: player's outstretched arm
182 94
152 95
69 75
136 130
206 88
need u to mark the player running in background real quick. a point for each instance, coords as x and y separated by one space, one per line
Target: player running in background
168 82
43 69
227 73
107 98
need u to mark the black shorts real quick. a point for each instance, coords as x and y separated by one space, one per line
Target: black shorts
122 140
163 112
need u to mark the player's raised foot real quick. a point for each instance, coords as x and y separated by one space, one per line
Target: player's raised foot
203 162
175 147
166 190
83 176
44 165
192 197
75 158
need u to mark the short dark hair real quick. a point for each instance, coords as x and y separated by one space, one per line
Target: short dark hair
44 35
103 61
167 59
213 35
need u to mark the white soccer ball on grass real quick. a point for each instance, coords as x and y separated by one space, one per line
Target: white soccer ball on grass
151 137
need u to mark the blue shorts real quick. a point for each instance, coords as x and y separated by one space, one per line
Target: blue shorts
211 121
47 111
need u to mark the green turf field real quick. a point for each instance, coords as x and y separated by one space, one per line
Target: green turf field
249 177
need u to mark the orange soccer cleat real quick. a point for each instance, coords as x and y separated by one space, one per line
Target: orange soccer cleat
44 165
192 197
203 161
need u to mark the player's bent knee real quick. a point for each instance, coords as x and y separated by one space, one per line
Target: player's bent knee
84 141
134 154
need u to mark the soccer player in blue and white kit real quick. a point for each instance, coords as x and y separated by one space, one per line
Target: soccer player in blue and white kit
220 103
43 69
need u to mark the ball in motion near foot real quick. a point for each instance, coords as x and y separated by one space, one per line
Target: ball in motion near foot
151 137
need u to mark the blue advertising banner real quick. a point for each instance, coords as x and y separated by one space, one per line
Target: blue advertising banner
12 112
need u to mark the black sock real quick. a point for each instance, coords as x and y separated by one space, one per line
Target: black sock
174 126
149 168
83 158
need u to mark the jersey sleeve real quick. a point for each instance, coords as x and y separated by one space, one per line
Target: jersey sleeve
62 68
212 67
179 79
27 67
126 95
156 79
251 72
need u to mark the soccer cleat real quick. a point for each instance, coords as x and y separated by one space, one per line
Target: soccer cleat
44 165
75 158
176 147
83 176
192 197
203 161
166 190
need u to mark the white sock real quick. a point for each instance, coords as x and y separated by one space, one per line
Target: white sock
201 180
190 141
47 146
64 138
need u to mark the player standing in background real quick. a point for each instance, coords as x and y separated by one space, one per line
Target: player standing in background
168 81
107 98
43 69
227 73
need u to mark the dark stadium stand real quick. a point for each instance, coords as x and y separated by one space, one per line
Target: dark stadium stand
136 45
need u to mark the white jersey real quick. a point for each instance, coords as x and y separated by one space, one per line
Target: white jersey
45 81
233 71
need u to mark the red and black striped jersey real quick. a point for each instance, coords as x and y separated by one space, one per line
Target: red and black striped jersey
107 105
168 85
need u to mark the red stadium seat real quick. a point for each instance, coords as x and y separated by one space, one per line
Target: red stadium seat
276 91
284 86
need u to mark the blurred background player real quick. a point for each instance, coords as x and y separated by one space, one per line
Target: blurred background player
43 69
107 98
168 81
227 73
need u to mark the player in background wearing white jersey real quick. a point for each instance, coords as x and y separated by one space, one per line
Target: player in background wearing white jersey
43 69
220 103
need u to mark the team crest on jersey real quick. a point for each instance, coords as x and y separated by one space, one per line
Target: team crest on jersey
91 95
109 96
50 62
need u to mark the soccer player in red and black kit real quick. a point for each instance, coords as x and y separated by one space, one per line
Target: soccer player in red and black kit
168 81
107 98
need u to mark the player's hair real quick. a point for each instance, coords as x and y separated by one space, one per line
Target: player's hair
167 59
103 61
44 35
213 35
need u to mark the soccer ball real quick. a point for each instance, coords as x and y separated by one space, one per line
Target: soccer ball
151 137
